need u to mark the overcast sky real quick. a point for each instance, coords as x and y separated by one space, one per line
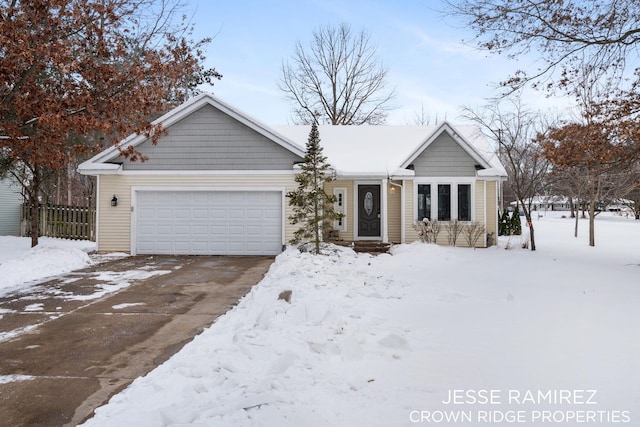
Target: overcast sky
423 48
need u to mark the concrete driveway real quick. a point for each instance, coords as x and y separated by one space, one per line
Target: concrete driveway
71 343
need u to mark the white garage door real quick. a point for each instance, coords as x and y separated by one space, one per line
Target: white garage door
209 222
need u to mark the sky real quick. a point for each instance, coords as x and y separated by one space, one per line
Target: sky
430 66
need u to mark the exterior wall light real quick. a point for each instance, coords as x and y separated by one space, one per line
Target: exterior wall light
114 201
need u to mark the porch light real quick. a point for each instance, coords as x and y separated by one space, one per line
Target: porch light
114 201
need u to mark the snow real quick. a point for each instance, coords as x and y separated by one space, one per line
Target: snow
383 341
384 158
21 266
126 305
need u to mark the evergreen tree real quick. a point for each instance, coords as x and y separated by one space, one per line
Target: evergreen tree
516 225
312 207
504 225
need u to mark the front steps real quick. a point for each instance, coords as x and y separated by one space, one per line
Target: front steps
366 246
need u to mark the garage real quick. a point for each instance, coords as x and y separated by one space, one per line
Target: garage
208 222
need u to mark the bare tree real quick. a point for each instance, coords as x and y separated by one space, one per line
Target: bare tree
634 197
513 129
337 80
565 33
423 117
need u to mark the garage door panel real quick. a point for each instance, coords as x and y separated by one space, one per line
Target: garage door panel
182 230
236 214
164 229
235 230
209 222
217 230
199 230
217 213
254 230
237 197
271 214
202 213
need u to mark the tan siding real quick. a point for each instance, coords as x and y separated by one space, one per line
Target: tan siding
479 202
394 214
348 185
409 215
492 209
114 226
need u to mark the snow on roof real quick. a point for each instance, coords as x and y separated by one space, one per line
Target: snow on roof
381 150
367 150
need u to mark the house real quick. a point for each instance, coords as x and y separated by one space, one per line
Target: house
547 203
216 183
10 207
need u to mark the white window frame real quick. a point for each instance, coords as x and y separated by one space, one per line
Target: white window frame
340 207
454 182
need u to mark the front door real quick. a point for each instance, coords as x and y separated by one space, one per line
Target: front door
369 211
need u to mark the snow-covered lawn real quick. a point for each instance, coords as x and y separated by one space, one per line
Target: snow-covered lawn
550 337
21 265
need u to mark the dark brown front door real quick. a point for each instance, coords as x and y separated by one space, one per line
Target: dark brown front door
369 210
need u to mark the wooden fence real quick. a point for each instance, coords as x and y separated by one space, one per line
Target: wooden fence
66 222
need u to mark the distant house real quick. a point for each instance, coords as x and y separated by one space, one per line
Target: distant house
548 203
10 207
216 183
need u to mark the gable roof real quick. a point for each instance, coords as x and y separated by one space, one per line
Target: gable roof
105 162
389 150
472 141
354 151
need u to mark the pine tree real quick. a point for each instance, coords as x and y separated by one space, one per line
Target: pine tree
312 207
516 225
505 224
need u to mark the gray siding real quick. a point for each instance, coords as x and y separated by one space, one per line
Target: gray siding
209 139
10 201
444 157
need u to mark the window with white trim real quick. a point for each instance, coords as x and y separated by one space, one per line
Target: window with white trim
444 201
424 201
340 207
464 202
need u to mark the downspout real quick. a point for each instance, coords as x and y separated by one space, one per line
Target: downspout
485 212
97 222
498 194
384 211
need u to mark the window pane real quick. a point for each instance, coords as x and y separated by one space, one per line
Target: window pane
464 202
424 202
444 202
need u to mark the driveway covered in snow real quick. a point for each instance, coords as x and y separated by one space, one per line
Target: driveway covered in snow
68 344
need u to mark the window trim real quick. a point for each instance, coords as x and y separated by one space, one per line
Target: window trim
454 182
340 209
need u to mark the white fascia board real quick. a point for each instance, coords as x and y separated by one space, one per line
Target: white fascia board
402 174
89 168
208 172
491 173
362 175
